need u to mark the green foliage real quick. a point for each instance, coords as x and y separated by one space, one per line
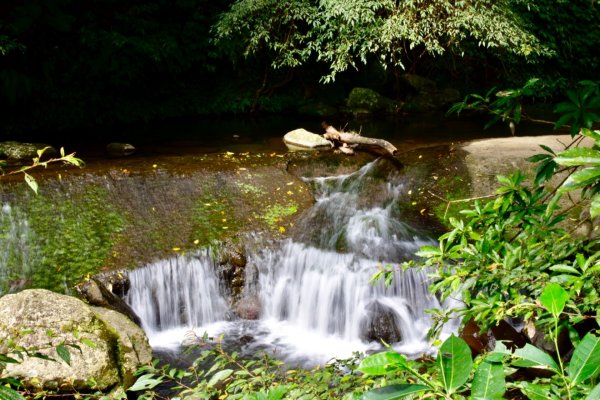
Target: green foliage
446 378
343 34
452 375
579 110
228 375
505 105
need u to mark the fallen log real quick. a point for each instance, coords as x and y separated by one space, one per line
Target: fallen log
355 139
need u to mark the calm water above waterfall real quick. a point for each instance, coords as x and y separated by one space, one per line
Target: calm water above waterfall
315 298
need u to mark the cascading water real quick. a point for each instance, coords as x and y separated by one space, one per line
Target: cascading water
314 291
179 294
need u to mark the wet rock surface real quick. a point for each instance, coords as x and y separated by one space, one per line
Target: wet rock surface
381 324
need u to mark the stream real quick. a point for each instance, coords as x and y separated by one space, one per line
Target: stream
313 290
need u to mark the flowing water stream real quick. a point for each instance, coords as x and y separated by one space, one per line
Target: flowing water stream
315 298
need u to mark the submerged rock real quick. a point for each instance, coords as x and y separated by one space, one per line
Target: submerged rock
112 347
120 149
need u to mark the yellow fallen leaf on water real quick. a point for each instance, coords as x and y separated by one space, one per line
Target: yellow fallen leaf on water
420 156
196 241
272 154
423 211
225 227
281 229
229 153
289 192
224 220
290 183
176 248
154 166
414 203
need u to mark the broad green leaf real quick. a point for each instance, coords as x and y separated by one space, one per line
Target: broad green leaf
64 353
581 178
145 382
531 357
219 376
585 362
594 394
455 362
488 382
554 298
536 391
382 363
394 392
31 182
428 251
578 156
7 393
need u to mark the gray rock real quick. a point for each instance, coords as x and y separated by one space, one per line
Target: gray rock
301 139
120 149
42 320
97 294
17 153
380 324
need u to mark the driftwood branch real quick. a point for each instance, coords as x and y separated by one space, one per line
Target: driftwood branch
350 139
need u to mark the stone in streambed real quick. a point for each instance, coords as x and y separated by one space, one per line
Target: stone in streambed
301 139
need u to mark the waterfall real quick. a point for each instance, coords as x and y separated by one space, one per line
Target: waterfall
314 291
17 254
179 293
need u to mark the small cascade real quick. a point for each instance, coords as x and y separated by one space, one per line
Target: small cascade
181 292
314 292
317 284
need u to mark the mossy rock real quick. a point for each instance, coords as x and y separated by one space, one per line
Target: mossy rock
368 100
112 347
18 153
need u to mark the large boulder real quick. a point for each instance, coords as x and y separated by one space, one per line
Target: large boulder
364 101
112 347
301 139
